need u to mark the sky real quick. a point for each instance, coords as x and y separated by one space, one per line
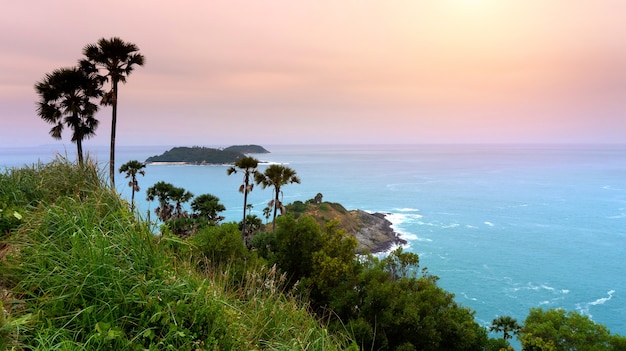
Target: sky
225 72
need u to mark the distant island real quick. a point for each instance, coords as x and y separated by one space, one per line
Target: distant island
199 155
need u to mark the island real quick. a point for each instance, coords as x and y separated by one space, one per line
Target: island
199 155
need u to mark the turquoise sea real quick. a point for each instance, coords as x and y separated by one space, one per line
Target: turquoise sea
505 227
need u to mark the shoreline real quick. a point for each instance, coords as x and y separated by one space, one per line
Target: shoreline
376 234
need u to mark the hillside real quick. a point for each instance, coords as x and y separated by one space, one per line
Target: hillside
204 155
372 231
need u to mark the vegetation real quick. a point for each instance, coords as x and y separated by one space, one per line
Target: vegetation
65 99
248 165
81 272
559 330
276 176
202 155
132 168
247 149
117 59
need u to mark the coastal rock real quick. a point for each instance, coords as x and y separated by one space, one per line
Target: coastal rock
374 232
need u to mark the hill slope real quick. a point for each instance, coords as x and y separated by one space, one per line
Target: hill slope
372 230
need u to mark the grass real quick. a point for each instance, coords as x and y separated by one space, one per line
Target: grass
81 272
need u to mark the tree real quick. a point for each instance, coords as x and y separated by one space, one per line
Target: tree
566 331
118 59
208 206
276 176
249 167
162 192
505 325
390 307
65 99
180 196
132 168
267 212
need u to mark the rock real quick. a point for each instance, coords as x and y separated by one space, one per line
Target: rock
374 232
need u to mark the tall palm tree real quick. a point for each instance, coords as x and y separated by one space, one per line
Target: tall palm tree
276 176
118 59
65 99
505 325
132 168
249 167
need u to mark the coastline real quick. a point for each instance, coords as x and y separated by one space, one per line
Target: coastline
376 233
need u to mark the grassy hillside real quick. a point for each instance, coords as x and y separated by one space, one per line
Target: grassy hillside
79 271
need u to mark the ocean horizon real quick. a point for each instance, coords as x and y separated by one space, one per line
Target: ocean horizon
506 227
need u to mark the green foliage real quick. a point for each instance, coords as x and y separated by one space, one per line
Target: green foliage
505 325
208 206
85 274
221 245
565 331
276 176
389 308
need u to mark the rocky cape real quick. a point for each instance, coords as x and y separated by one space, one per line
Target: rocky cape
373 231
198 155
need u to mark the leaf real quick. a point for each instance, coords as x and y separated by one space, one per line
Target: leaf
17 215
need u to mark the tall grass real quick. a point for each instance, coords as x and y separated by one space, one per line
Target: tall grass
83 273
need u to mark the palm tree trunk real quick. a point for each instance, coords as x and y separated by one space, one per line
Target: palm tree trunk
79 149
132 195
245 203
275 209
113 125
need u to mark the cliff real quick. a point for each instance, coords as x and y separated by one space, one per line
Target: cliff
372 230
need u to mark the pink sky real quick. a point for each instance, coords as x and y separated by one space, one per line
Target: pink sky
228 72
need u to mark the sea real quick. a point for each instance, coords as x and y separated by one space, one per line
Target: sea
505 227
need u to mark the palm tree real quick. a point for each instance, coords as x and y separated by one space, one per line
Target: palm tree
118 59
180 196
505 325
132 168
276 176
249 167
208 206
267 212
162 192
65 99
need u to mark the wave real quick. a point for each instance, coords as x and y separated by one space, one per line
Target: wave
602 300
488 223
584 308
399 219
407 209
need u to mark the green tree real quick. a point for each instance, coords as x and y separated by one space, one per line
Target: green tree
565 331
249 167
132 168
65 99
505 325
162 192
276 176
208 206
118 59
389 306
180 196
